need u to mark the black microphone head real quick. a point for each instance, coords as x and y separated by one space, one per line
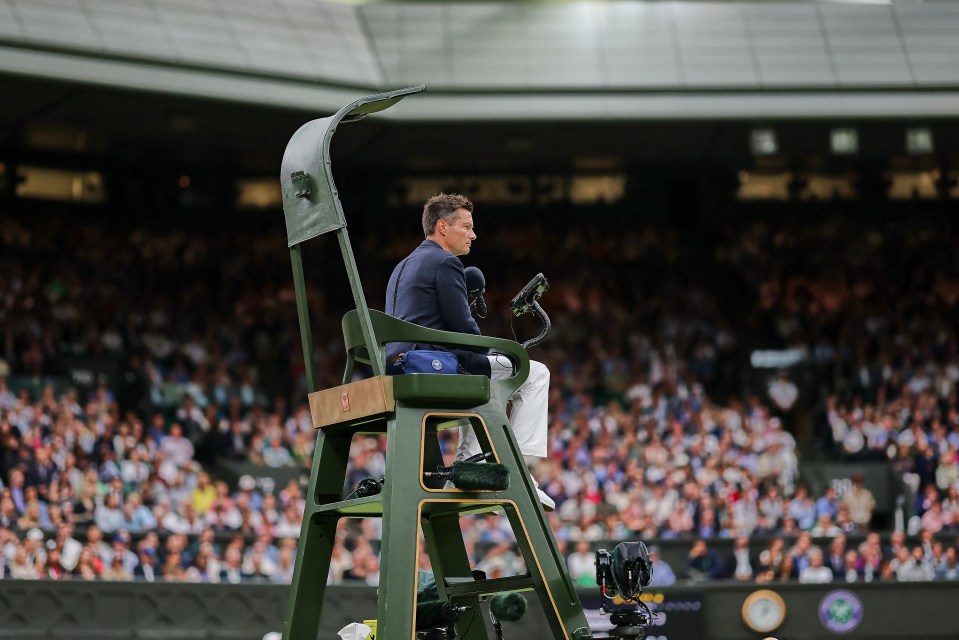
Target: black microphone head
475 280
478 476
430 615
508 607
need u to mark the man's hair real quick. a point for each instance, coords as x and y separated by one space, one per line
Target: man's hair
443 205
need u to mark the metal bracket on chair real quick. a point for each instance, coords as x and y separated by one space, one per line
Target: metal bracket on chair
301 184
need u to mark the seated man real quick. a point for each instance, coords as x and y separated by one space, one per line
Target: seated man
428 288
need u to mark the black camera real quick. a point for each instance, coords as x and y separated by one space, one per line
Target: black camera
623 574
525 300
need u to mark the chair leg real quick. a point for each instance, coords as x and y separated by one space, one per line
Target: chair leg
450 559
313 564
399 553
317 535
537 543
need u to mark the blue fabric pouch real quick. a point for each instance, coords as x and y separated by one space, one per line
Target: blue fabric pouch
424 361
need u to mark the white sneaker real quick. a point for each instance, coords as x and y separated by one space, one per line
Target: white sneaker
545 500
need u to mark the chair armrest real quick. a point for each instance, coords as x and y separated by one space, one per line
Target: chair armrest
390 329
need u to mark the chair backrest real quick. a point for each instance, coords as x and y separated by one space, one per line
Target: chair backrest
312 207
311 204
390 329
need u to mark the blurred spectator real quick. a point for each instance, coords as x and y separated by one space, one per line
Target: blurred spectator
89 567
136 516
934 519
177 448
802 508
581 564
771 560
949 568
24 566
341 562
783 393
146 568
836 558
67 546
739 565
116 571
828 503
703 562
284 567
53 568
825 528
851 570
860 502
800 551
663 575
912 566
108 515
120 548
815 572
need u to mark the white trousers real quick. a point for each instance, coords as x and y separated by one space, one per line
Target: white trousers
529 416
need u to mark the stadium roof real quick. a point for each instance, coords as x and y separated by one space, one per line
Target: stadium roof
501 60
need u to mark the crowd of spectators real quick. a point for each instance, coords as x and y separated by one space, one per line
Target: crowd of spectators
646 438
801 559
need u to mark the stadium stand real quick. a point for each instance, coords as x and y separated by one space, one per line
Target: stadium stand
117 481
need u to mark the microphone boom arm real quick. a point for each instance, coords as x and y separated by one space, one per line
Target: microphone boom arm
527 300
547 325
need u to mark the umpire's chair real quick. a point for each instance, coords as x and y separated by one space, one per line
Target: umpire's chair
410 410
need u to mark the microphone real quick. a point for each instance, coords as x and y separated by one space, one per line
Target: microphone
475 280
508 607
476 286
473 476
430 615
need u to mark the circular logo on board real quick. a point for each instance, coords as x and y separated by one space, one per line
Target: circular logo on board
840 611
437 364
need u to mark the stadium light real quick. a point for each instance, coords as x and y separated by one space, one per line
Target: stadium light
763 142
919 141
844 141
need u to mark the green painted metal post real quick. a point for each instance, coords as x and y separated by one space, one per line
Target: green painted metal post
377 360
399 549
303 314
317 535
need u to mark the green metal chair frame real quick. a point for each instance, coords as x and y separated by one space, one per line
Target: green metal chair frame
418 407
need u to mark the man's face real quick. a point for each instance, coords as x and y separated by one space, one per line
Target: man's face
458 233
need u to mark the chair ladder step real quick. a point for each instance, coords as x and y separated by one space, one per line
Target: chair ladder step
368 507
464 587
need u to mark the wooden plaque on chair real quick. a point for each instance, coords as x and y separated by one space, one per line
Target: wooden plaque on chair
356 401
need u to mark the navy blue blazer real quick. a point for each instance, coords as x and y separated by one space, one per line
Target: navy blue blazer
428 288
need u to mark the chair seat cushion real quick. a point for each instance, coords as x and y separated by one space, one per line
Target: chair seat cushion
441 391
